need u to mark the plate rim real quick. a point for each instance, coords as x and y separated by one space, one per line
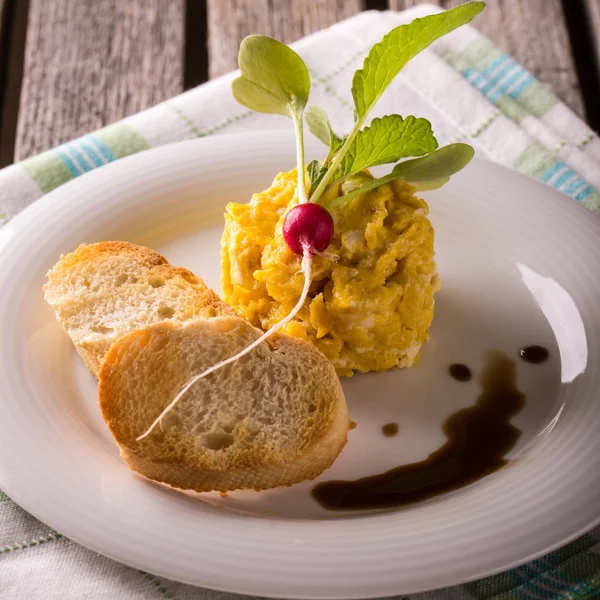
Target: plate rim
13 227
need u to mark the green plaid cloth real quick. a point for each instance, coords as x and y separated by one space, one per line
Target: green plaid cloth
470 91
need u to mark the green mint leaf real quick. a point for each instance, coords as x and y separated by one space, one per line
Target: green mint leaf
388 57
316 172
319 125
426 173
274 78
387 140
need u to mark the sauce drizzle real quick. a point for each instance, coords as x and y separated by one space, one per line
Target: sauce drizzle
534 354
479 437
390 429
460 372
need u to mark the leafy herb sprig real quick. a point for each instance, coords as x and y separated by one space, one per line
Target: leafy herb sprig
275 80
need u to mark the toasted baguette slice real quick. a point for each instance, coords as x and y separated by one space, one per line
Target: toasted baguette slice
273 418
103 291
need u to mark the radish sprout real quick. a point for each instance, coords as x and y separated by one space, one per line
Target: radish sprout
308 226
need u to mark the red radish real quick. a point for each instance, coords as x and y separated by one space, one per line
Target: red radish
308 227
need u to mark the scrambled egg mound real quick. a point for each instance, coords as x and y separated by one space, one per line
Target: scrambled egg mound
371 298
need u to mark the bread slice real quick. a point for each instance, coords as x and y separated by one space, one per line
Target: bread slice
103 291
275 417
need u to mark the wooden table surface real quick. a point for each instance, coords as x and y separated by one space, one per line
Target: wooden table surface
71 66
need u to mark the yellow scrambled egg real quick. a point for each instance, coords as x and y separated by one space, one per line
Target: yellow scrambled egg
371 298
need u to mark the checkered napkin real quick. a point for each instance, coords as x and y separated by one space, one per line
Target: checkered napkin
470 91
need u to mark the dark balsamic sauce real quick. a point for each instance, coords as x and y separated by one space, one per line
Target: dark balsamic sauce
390 429
534 354
460 372
479 437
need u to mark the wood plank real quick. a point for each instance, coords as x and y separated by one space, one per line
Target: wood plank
13 29
535 34
195 60
91 62
3 29
229 21
3 12
583 23
593 14
6 144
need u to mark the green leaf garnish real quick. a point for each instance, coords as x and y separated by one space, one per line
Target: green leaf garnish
316 172
426 173
434 170
386 59
274 80
387 140
319 125
384 62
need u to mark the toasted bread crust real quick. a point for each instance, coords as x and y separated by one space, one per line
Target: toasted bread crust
247 465
257 479
88 252
61 291
107 297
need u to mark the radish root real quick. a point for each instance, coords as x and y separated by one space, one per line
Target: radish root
307 271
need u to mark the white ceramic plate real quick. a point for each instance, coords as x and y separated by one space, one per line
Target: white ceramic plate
520 265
